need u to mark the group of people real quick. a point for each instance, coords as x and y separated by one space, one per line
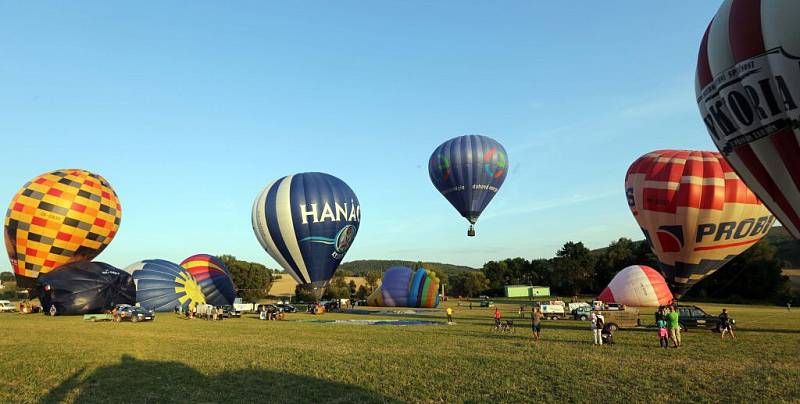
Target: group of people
669 326
204 311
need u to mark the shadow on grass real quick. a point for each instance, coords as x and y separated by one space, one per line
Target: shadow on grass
139 381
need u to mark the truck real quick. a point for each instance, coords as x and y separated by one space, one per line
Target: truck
553 311
622 317
242 306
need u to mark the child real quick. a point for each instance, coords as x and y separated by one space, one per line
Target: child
663 338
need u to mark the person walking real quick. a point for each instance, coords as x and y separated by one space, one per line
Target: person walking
663 334
788 306
521 311
673 320
449 315
596 323
536 323
497 317
725 325
470 304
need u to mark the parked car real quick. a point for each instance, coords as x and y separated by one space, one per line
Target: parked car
230 312
287 308
487 303
552 311
695 317
126 312
269 308
582 313
7 306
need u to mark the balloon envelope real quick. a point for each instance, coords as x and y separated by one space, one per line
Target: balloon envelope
468 171
403 287
59 217
748 93
213 277
694 211
637 285
85 287
162 285
307 223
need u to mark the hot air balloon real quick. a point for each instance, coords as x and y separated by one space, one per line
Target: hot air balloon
213 277
162 285
85 287
748 92
695 213
637 285
403 287
307 223
468 171
57 218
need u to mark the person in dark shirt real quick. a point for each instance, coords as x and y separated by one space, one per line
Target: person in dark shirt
725 325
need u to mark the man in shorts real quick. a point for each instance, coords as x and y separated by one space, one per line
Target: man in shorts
536 323
725 325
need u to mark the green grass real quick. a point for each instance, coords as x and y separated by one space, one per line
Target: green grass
58 359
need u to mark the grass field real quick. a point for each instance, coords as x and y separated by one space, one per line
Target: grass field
59 359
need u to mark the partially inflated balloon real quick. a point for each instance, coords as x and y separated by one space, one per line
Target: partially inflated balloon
162 285
468 171
748 92
637 285
59 217
213 277
85 287
403 287
307 223
695 213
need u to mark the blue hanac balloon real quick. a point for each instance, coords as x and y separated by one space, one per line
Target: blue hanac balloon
307 222
468 171
162 286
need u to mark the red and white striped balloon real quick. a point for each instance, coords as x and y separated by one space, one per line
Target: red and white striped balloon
639 286
748 92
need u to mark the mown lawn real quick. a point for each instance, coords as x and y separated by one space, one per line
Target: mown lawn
59 359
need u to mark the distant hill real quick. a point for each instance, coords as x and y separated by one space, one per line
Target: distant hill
788 247
361 267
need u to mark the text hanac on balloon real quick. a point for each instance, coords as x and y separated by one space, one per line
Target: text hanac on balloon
748 101
347 212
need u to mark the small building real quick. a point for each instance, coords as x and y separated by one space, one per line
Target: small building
527 291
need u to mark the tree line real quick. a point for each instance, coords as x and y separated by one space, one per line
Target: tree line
754 275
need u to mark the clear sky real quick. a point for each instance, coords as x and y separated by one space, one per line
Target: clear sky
190 108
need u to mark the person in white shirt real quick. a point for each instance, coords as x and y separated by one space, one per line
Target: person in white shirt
596 324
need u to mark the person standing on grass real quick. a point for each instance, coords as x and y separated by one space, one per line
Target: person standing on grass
497 317
596 325
521 311
663 334
449 315
725 324
788 306
536 323
673 320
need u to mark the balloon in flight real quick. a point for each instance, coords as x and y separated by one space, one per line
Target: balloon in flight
162 285
748 93
307 223
403 287
85 287
57 218
639 286
213 277
468 171
694 211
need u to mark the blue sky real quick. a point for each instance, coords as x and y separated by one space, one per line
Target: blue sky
190 108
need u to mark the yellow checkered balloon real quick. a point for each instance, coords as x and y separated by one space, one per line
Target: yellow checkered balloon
57 218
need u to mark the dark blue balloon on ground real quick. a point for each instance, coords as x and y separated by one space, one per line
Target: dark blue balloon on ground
85 287
468 171
307 223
